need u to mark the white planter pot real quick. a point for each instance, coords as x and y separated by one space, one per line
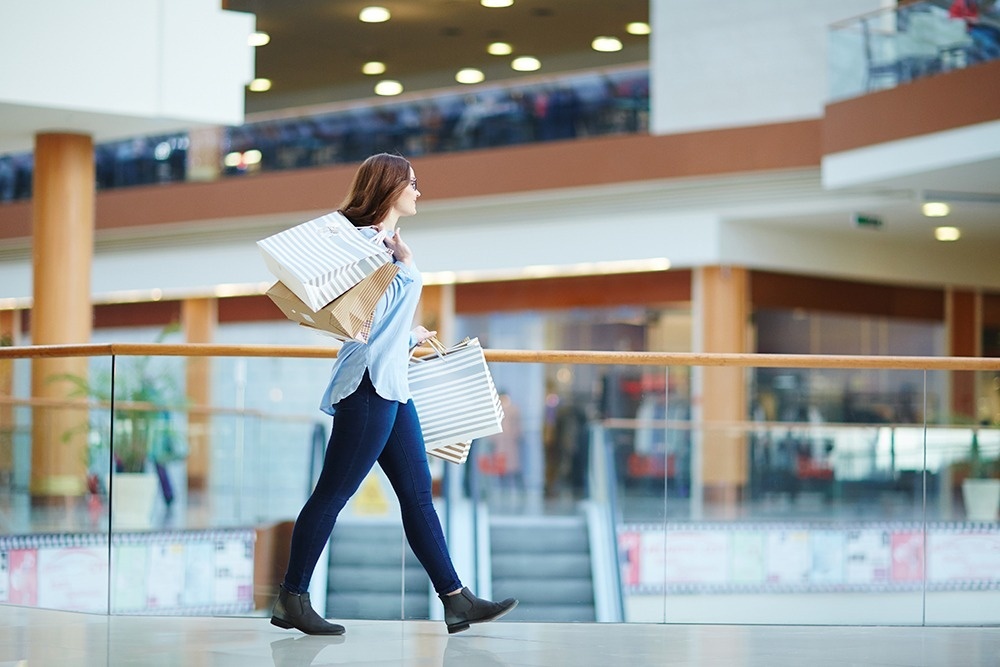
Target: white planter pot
133 496
982 499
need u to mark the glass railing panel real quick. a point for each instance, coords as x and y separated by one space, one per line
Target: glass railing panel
54 542
962 549
894 46
577 104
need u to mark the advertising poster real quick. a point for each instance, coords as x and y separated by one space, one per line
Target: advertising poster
4 576
652 558
963 557
234 572
199 574
748 557
73 578
24 577
130 563
165 586
827 561
697 557
628 557
907 556
789 557
868 556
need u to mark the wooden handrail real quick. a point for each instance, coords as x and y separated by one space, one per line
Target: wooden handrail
590 357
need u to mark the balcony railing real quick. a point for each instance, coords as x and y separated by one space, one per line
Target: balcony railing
890 47
630 504
593 103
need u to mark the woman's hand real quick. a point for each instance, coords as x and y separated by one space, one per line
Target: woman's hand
400 251
421 334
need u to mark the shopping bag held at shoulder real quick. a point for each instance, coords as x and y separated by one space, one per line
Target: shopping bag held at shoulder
320 259
349 316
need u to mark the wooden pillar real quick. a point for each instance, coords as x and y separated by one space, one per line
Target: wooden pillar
963 311
437 311
63 243
200 318
723 301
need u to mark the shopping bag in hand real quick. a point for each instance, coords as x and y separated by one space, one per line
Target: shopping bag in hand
455 398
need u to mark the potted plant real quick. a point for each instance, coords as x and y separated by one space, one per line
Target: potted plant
132 438
981 487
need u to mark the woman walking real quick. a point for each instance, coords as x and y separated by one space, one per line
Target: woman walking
374 421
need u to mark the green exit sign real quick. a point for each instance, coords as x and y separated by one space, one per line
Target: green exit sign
866 220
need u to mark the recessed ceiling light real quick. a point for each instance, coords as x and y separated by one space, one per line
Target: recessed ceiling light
947 233
374 15
388 88
638 28
469 75
258 38
606 44
496 3
499 49
373 68
935 209
526 64
260 85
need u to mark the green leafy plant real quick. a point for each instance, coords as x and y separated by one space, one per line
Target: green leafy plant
980 467
141 424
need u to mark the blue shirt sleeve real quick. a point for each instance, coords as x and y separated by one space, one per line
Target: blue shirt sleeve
387 353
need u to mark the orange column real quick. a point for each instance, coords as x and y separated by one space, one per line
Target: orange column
200 318
63 238
724 306
963 310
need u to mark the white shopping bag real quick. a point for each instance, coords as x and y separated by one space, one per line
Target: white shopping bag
455 398
321 259
347 317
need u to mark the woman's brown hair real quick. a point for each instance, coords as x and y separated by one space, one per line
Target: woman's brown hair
377 183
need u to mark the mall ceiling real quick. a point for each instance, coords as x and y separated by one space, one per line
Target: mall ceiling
317 47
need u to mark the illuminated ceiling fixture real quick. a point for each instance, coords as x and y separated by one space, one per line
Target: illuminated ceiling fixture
469 75
496 3
947 233
388 88
526 64
499 49
373 68
258 38
935 209
260 85
638 28
374 15
606 44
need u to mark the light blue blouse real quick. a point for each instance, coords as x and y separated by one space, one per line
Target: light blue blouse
387 353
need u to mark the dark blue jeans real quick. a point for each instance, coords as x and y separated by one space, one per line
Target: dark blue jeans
368 429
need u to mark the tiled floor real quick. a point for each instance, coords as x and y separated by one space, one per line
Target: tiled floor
31 637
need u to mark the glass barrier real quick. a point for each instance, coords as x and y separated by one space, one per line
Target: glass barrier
896 45
592 103
616 493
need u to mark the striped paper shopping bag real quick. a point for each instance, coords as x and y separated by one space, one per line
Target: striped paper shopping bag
349 316
321 259
455 398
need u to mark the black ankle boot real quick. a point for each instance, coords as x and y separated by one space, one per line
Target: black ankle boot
294 611
464 608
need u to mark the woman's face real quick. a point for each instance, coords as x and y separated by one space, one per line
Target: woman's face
406 202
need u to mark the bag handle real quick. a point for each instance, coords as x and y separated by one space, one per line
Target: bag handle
438 348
